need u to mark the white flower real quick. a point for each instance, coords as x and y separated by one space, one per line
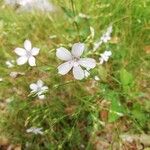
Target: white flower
84 16
39 89
74 61
107 35
27 54
35 130
1 79
10 63
104 38
15 74
105 56
96 78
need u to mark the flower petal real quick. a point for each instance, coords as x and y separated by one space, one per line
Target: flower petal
78 73
44 88
65 68
63 54
77 49
35 51
101 61
22 60
27 45
29 130
41 97
33 87
40 83
32 61
88 63
20 51
108 53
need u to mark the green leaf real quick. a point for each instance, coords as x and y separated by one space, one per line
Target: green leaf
125 77
116 110
102 73
68 12
139 114
126 80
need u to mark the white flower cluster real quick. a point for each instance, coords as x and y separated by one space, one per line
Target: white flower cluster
104 38
80 66
105 56
35 130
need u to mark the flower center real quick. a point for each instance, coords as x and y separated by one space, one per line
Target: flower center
28 54
38 89
75 62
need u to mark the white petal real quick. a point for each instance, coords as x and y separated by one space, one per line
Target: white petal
32 61
22 60
87 62
20 51
35 51
64 68
77 49
27 45
108 53
9 63
29 130
96 78
44 88
63 54
106 58
101 60
33 87
78 73
40 83
41 96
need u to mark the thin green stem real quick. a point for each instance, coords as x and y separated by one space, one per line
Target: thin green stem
74 22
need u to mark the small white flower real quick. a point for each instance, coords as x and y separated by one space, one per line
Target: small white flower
27 54
1 79
104 38
41 97
35 130
10 63
107 35
39 89
15 74
105 56
74 61
96 78
84 16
